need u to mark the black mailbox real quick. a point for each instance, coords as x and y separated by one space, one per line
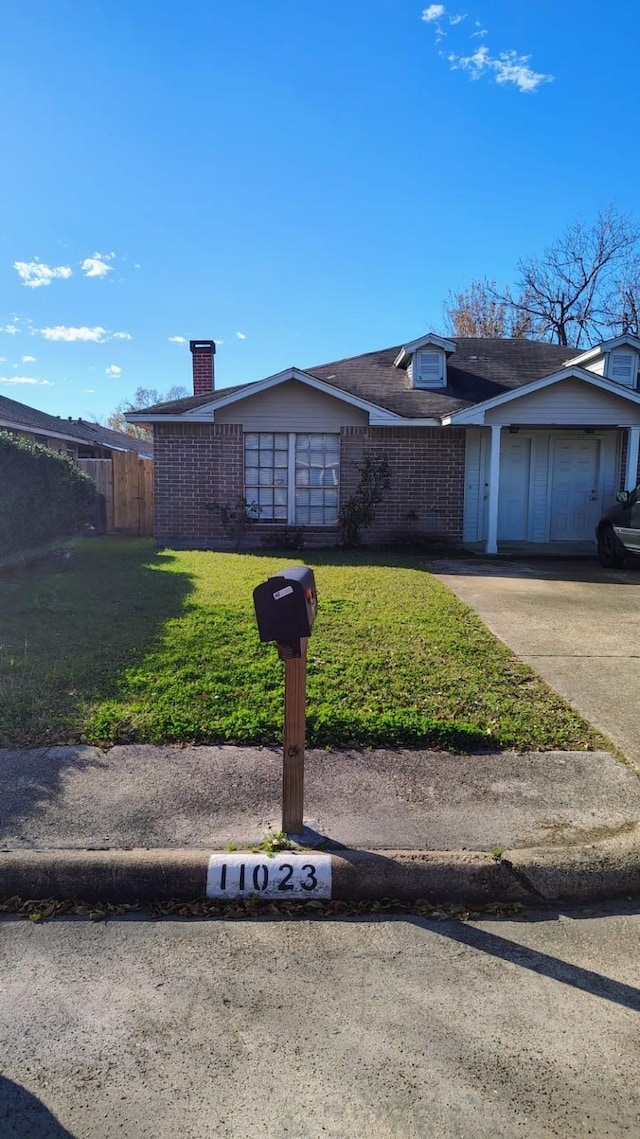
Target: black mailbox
286 607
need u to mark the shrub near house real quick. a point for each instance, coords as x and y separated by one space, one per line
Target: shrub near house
44 496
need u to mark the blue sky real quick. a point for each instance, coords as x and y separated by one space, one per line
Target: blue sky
300 181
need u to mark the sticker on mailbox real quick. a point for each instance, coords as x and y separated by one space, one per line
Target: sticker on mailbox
285 876
282 592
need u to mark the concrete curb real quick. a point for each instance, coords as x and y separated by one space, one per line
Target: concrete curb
563 874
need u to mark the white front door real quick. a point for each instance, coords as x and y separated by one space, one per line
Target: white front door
574 499
513 501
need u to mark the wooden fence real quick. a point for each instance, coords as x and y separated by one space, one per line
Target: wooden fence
126 481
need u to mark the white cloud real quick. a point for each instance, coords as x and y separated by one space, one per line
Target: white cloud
241 336
89 391
28 359
97 335
507 67
3 359
177 339
504 67
97 265
34 274
433 12
218 342
13 327
137 265
25 380
113 370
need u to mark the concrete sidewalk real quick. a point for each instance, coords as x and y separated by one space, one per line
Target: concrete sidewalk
140 821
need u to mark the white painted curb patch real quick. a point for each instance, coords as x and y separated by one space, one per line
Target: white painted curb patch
284 876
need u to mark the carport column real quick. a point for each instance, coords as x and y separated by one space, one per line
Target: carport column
494 489
633 445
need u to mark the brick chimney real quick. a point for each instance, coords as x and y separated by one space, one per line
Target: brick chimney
203 352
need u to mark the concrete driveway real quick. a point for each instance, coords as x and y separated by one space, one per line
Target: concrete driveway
574 623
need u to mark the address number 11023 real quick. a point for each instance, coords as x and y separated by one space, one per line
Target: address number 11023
284 876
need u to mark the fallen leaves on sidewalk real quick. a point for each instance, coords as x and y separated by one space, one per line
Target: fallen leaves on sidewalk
44 909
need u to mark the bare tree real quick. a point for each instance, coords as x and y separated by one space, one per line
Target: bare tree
585 284
481 311
142 397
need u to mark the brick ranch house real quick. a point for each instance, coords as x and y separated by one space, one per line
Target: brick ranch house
493 444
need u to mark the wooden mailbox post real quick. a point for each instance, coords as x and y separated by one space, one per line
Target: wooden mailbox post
286 607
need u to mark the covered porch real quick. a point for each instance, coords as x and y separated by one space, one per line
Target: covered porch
544 462
546 490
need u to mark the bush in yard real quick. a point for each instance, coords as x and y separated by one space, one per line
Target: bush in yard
358 512
235 518
43 496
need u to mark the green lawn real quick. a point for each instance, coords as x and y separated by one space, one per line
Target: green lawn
120 644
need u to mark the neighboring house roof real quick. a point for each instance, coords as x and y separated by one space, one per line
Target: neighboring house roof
479 370
20 416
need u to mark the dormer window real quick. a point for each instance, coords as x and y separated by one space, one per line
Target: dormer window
425 361
428 369
616 360
623 367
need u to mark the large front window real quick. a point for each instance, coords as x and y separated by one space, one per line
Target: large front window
293 478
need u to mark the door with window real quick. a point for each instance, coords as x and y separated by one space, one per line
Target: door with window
293 477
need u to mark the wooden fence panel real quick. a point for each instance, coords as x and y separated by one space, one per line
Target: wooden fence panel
147 474
126 481
132 493
101 471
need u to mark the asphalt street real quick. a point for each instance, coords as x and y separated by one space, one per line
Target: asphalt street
377 1027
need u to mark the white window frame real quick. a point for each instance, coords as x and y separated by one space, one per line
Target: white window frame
291 478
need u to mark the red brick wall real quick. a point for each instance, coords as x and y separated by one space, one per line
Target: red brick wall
195 464
623 460
202 463
425 498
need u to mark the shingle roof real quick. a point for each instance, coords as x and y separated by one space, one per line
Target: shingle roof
76 430
478 370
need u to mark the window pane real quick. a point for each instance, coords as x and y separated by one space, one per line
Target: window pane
282 442
251 442
251 459
280 497
265 497
266 477
266 440
317 468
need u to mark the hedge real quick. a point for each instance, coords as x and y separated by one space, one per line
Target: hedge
43 495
